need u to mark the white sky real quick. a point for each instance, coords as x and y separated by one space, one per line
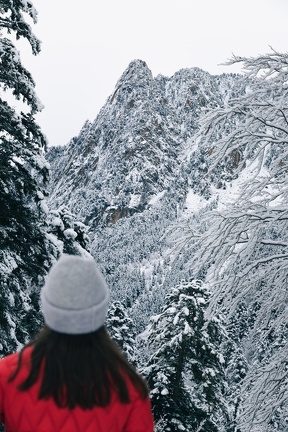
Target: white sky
86 46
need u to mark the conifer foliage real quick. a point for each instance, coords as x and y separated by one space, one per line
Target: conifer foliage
122 329
65 233
186 371
23 178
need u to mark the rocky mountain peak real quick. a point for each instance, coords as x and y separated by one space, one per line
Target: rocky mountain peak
134 84
137 69
135 148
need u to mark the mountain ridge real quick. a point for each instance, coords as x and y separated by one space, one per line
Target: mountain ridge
136 141
129 175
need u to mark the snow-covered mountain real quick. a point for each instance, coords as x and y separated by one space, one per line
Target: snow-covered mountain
128 175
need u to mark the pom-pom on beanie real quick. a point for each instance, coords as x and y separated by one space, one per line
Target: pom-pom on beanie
75 296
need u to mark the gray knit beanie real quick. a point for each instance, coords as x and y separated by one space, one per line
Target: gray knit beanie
75 296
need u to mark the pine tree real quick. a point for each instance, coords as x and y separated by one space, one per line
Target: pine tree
122 329
23 179
186 371
65 233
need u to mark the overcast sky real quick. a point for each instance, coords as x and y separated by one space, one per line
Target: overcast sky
86 46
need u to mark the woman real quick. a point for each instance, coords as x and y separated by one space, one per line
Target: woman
73 377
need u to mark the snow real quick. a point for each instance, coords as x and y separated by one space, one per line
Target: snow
171 310
194 202
40 195
57 222
18 160
80 225
210 371
44 207
187 329
70 233
156 197
58 244
11 299
134 200
201 300
176 319
227 197
185 311
41 162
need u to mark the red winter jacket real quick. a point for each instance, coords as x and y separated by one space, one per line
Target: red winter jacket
21 411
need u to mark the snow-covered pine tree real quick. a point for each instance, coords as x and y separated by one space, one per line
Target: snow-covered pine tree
65 233
23 178
236 367
186 371
122 329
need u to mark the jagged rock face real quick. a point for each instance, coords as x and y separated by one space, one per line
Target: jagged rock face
135 147
127 175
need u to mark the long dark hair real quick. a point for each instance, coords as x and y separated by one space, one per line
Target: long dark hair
79 370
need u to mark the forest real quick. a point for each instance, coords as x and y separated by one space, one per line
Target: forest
179 190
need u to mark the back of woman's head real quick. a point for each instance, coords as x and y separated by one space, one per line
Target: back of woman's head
81 364
75 296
